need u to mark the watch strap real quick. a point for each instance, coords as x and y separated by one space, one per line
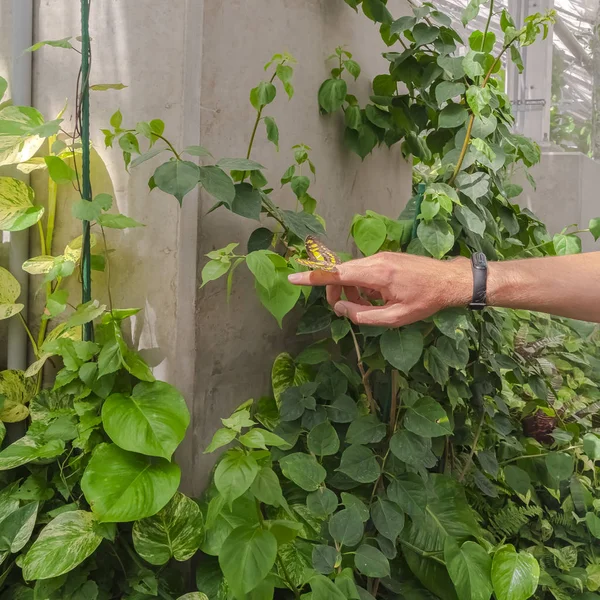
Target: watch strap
480 272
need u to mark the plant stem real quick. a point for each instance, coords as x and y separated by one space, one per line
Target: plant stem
287 578
467 466
41 233
489 20
431 555
486 80
365 378
541 455
164 139
33 344
107 261
394 403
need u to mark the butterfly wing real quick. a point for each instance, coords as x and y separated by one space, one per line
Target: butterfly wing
321 256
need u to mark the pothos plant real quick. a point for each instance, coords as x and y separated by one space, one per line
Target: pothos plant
455 458
89 506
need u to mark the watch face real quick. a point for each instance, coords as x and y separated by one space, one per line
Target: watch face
479 260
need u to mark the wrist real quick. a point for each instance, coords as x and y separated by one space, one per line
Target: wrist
459 285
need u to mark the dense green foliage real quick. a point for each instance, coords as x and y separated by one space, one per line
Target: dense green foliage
454 458
89 507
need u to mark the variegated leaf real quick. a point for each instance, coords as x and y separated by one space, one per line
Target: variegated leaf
17 211
175 532
17 390
62 545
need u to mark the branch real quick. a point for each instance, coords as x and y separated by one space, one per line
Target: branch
365 375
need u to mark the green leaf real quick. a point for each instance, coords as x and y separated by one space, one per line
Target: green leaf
262 95
388 519
367 429
322 587
235 473
412 449
360 464
272 131
59 170
447 90
266 487
453 115
303 470
27 449
470 220
481 43
353 68
261 438
409 493
16 528
246 557
369 234
197 151
436 236
566 244
560 466
17 211
322 503
118 222
377 11
475 185
10 290
221 438
75 531
178 177
371 562
517 479
285 373
121 486
214 269
595 228
591 445
218 184
402 348
300 185
593 524
323 439
478 98
103 87
332 94
427 418
515 575
281 297
239 164
174 532
470 569
263 269
16 391
455 353
325 559
346 527
63 43
152 420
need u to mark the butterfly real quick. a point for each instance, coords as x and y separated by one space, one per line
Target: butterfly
319 256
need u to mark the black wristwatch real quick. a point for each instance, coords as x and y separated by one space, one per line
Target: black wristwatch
480 271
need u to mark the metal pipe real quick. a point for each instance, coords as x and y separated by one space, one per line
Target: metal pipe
22 31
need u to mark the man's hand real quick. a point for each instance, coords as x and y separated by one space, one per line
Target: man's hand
412 288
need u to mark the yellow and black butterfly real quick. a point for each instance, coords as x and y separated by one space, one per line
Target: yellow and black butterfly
319 256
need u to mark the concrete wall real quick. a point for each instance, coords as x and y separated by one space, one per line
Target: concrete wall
192 63
237 342
567 192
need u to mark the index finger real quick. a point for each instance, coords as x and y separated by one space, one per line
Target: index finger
359 273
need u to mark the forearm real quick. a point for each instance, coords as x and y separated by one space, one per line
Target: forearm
566 286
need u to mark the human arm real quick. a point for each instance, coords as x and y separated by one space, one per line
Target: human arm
414 287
